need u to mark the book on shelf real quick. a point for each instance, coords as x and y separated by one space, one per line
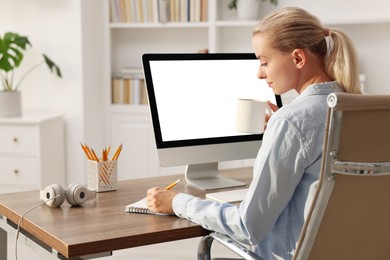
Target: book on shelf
158 11
121 92
129 87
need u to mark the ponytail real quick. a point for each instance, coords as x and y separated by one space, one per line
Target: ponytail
341 61
293 28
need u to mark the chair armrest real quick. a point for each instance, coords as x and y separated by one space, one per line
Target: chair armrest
205 243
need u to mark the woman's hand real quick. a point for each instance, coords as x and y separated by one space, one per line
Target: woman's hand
160 200
273 107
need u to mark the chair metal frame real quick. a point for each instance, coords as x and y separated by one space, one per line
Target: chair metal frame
348 217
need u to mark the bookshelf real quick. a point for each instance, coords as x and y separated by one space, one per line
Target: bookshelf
125 42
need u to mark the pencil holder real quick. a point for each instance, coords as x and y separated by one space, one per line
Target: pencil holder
102 176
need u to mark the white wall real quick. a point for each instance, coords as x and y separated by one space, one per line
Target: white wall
93 83
55 28
372 42
347 10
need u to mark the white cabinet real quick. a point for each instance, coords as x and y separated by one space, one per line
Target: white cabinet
133 129
32 152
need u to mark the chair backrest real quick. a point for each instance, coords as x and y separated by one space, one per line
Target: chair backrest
350 214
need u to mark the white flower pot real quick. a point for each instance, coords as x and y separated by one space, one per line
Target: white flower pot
248 9
10 103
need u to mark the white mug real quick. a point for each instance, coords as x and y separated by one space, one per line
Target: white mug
251 115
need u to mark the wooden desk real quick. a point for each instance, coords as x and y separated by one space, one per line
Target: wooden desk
101 225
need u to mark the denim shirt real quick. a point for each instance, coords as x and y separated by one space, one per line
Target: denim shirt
288 163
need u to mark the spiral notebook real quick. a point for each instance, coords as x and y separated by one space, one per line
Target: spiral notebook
140 207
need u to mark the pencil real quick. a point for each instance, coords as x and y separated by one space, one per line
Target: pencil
94 155
86 151
116 154
104 155
172 184
89 151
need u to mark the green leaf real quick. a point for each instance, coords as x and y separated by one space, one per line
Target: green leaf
12 46
232 4
52 66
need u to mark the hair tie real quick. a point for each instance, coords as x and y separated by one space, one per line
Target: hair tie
326 32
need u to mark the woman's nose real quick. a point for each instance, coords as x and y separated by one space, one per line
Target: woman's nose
261 73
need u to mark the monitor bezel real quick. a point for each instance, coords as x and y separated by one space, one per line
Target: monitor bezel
160 143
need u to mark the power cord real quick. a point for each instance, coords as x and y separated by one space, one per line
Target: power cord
20 222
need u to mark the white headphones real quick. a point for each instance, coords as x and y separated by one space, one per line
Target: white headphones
75 194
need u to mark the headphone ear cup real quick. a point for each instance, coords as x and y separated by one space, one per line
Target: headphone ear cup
54 195
77 194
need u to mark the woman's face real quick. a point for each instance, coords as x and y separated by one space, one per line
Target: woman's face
276 67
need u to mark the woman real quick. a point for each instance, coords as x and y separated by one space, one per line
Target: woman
296 53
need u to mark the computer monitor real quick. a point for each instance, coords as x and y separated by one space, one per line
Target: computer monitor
192 100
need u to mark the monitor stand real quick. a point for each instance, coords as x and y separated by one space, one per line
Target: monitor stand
207 177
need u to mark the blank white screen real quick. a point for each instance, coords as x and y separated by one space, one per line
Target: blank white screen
197 98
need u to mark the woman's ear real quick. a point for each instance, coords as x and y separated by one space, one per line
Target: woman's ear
299 58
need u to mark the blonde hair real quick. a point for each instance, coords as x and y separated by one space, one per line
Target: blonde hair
293 28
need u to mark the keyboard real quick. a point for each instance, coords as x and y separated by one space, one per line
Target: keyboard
230 196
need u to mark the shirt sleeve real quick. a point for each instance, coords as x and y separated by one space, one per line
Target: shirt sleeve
272 187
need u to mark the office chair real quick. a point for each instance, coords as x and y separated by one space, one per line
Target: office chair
349 217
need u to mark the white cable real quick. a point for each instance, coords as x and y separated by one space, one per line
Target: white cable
20 222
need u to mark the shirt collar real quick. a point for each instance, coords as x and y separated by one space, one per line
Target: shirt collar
323 88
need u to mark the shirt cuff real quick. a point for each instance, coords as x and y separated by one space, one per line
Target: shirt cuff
179 204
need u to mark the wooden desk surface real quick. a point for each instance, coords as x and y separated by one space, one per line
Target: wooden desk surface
101 225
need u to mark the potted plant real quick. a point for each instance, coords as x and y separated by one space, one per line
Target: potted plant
12 49
247 9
